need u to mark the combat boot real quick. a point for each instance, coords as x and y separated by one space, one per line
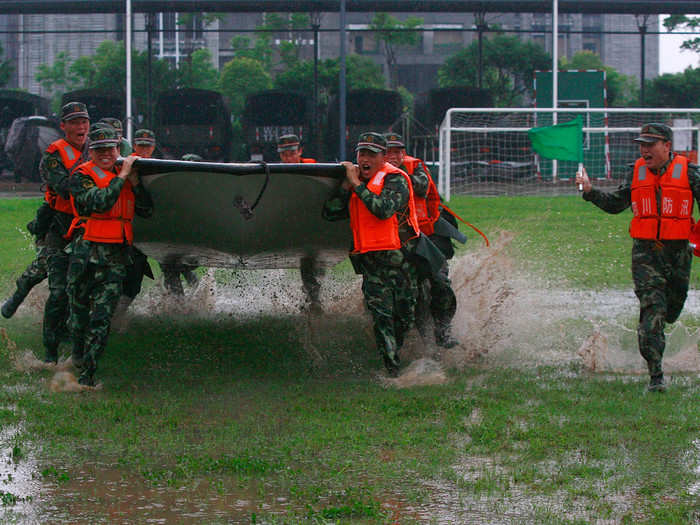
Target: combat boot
443 336
657 384
87 378
10 306
51 355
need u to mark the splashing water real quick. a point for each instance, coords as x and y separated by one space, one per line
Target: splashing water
504 316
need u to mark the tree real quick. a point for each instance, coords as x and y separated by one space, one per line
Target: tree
685 22
361 72
6 69
508 65
622 89
106 70
240 77
198 71
679 90
393 33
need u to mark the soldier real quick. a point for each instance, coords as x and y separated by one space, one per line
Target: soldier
660 190
290 151
144 143
37 269
144 146
56 166
124 146
435 295
106 201
173 271
378 199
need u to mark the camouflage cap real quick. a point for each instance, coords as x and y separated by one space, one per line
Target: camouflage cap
99 125
103 137
144 137
371 141
192 157
287 142
394 140
74 110
654 131
114 122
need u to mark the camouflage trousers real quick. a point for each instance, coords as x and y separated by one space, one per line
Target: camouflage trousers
94 291
661 276
390 296
436 299
134 274
36 272
56 308
311 272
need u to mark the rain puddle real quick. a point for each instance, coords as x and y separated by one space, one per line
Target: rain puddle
20 487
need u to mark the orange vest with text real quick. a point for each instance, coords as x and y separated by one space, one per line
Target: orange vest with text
114 225
428 207
673 219
69 157
369 232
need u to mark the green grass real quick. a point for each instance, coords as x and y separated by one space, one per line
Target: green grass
238 407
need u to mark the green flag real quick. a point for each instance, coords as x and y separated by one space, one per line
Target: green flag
560 142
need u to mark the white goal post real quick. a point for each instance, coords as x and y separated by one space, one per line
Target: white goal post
486 151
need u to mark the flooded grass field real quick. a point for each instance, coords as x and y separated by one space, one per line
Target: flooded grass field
232 405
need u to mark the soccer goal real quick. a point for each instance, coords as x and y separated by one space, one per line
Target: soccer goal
486 151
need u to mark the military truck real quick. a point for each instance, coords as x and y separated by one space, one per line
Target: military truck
270 114
190 120
367 110
100 103
14 104
26 141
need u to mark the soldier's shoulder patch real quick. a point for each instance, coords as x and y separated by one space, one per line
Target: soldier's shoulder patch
52 163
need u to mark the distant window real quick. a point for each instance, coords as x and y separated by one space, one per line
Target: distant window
366 44
447 41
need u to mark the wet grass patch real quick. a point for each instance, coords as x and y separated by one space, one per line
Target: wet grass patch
229 409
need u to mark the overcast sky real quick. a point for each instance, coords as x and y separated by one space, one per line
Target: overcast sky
672 59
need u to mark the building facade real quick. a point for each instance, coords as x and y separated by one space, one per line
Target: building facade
31 40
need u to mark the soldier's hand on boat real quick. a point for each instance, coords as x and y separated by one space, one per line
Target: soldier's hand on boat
127 168
352 175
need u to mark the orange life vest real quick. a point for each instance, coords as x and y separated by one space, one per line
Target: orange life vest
69 157
676 219
369 232
428 207
308 161
114 225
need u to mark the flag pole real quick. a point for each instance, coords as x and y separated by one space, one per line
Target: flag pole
555 74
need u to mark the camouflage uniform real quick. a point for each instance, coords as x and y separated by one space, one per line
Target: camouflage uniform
309 267
388 276
436 298
660 271
37 269
96 273
57 177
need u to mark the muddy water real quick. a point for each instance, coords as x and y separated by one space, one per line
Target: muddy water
503 318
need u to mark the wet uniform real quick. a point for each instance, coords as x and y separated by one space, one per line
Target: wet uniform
97 269
660 271
388 276
436 298
57 177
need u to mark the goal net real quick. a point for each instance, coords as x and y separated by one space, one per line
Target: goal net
486 151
